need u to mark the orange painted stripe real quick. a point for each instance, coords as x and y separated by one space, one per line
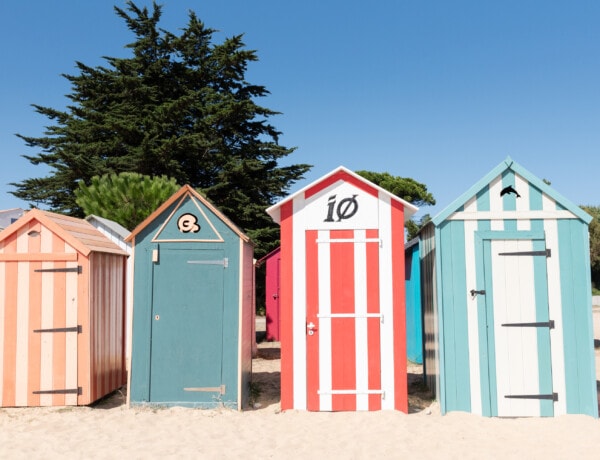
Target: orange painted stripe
312 309
343 330
373 324
38 256
286 305
35 322
399 299
343 176
59 320
83 339
10 325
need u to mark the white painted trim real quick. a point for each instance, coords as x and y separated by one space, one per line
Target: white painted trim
559 385
386 302
512 215
360 323
325 356
351 240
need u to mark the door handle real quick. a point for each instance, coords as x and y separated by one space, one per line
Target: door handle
311 328
473 292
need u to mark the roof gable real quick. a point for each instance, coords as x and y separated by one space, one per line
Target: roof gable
341 174
199 230
510 165
78 233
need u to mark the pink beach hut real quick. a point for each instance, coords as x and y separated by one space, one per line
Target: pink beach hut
62 297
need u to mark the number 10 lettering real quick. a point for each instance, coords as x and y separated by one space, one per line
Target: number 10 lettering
345 209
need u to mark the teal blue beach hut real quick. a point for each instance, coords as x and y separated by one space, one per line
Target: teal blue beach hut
193 307
507 303
412 276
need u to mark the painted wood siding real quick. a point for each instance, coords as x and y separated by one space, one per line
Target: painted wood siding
429 307
107 323
463 364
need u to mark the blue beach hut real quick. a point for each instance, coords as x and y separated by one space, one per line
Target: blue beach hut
193 307
509 317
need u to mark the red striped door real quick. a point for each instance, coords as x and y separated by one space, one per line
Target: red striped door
343 320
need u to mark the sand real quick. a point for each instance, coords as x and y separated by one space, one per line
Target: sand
111 430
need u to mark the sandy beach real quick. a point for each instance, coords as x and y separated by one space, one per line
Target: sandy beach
109 429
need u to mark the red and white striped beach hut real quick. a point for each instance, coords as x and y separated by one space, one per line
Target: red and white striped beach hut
62 297
343 331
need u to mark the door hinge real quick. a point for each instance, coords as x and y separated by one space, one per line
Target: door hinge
77 270
69 391
61 329
551 396
545 252
548 324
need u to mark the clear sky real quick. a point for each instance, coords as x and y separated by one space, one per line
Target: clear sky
437 90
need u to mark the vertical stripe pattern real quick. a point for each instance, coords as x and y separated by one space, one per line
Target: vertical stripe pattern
37 297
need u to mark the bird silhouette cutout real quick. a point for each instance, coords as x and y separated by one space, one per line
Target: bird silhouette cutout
509 189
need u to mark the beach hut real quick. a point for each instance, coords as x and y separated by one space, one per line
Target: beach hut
343 331
193 307
512 297
271 262
414 327
8 216
62 295
116 233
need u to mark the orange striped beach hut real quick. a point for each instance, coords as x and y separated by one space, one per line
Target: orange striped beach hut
62 298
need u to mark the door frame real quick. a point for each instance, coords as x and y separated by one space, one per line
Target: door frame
485 307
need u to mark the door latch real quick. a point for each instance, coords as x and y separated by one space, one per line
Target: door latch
311 328
474 292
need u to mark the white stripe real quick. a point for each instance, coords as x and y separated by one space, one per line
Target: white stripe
513 215
496 213
325 358
472 311
2 313
47 321
299 304
71 338
351 315
360 308
22 345
386 302
350 240
523 203
559 385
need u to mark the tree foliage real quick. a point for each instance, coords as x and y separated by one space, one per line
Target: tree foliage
126 198
179 106
409 190
594 229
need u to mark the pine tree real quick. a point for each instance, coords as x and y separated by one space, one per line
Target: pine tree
180 107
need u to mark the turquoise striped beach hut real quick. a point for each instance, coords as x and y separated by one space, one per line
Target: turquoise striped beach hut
508 324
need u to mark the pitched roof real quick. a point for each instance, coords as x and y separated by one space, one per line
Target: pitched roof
115 227
186 190
409 208
80 234
510 164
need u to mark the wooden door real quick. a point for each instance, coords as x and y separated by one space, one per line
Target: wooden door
519 352
343 336
187 327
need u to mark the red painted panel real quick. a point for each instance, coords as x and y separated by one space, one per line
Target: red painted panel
286 306
399 299
344 176
343 330
312 309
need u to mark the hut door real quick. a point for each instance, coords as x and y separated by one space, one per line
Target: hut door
343 321
519 354
187 326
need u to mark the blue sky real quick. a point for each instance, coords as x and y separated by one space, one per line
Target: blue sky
440 91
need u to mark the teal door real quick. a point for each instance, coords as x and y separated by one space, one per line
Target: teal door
187 326
519 365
